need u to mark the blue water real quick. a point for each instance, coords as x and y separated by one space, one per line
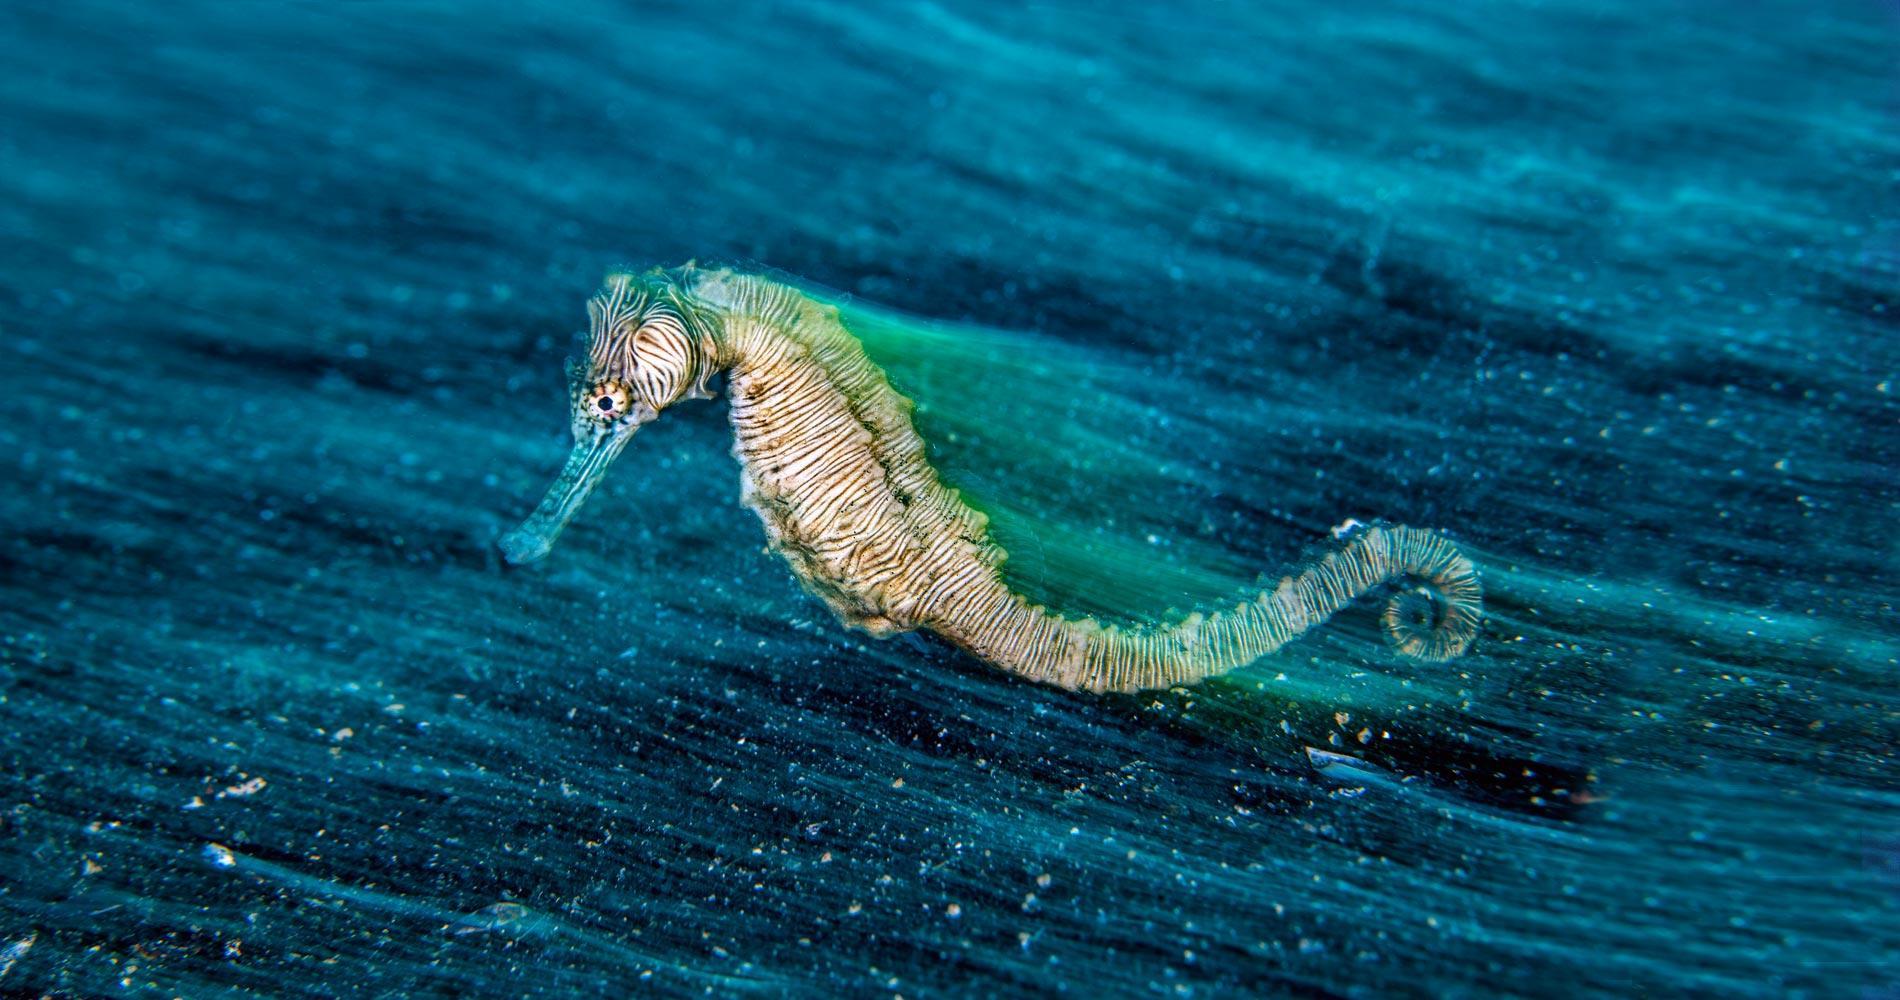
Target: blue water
1606 291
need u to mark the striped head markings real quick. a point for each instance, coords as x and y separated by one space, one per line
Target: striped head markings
641 348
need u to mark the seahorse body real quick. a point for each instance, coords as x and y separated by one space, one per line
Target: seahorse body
837 472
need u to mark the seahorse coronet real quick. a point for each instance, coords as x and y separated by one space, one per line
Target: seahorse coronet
837 473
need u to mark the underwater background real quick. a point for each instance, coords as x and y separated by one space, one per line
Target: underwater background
1605 291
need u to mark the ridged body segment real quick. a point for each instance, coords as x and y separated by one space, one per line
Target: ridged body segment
835 468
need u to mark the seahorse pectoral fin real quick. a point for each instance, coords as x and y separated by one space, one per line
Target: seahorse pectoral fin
585 466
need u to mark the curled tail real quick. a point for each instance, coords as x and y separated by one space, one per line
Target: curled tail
1434 617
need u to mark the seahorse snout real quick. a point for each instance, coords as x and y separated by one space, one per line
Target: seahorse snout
586 464
522 547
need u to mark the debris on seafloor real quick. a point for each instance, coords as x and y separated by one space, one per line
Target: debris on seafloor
498 917
1344 769
513 919
16 951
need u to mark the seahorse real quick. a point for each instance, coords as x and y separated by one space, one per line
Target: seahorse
837 473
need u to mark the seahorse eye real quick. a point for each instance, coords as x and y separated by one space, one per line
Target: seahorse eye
608 400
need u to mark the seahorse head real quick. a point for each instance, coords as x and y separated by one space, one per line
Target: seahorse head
646 351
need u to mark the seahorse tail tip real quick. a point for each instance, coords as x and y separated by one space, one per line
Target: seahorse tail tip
1421 626
1438 618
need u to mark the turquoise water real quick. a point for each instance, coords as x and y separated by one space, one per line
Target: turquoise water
1605 291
